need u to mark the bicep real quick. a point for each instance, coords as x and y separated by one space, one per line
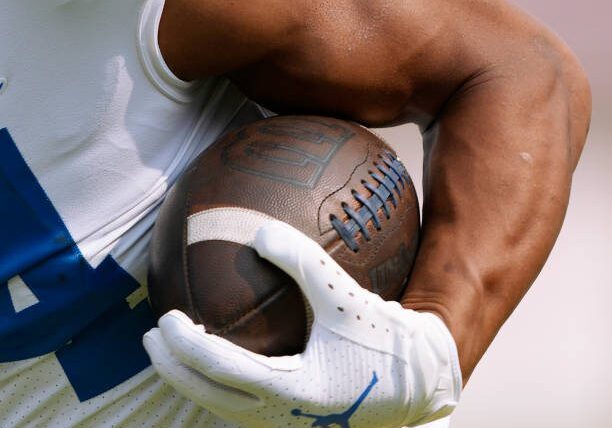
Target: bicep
346 58
374 61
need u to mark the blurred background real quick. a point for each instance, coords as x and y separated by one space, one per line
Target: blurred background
551 364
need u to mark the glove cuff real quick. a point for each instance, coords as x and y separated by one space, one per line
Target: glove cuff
457 378
437 381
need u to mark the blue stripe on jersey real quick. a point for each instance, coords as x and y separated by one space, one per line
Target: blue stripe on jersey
76 303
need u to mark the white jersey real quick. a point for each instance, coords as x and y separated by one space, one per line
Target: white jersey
94 128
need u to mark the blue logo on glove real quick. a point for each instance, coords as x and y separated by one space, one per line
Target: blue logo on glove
340 419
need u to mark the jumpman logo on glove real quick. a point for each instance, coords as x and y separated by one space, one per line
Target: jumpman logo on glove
340 419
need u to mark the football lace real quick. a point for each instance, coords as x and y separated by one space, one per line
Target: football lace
394 179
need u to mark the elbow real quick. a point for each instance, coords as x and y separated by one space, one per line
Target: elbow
576 83
562 74
548 88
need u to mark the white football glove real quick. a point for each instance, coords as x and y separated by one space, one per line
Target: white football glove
367 363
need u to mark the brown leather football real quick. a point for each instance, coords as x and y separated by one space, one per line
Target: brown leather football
334 180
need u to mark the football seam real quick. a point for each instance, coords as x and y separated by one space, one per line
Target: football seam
247 313
348 180
184 249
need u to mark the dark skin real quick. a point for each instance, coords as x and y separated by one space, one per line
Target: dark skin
503 105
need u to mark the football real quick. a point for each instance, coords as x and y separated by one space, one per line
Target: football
334 180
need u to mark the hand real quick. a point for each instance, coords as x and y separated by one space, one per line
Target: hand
367 362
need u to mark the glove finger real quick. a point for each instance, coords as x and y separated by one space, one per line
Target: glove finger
221 360
324 283
205 392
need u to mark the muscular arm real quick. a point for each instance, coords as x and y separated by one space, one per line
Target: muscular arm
503 105
498 168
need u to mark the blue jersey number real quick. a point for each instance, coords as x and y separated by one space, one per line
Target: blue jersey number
78 312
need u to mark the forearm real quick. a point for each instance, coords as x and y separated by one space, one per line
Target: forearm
497 176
